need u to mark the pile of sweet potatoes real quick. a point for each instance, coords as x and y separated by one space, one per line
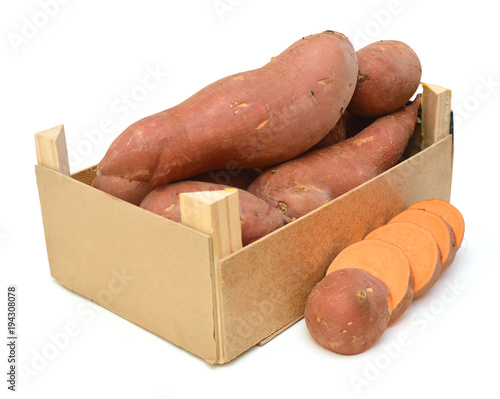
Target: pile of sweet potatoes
371 283
316 121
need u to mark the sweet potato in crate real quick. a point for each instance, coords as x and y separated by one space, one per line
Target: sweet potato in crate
196 286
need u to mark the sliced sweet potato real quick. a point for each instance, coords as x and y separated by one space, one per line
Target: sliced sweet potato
448 212
436 225
385 261
420 248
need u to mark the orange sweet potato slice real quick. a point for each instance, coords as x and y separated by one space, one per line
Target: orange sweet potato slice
419 246
448 212
437 226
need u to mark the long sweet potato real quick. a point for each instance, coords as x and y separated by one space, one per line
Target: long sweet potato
252 119
300 185
257 218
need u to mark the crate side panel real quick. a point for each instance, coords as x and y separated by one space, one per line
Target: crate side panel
265 285
151 271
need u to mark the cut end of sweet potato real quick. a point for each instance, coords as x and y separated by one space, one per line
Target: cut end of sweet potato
385 261
348 311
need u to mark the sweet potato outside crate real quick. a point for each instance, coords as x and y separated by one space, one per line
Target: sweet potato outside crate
199 289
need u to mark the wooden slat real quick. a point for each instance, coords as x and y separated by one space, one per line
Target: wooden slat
51 149
436 111
217 214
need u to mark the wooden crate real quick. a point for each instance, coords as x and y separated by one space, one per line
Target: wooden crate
197 289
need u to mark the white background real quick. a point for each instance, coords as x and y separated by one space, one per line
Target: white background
75 63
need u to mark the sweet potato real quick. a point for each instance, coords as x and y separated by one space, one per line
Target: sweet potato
448 212
437 226
385 261
420 248
257 218
389 75
348 311
300 185
253 119
128 190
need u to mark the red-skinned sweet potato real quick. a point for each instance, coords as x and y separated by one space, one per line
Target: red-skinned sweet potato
300 185
348 311
389 75
257 218
254 119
